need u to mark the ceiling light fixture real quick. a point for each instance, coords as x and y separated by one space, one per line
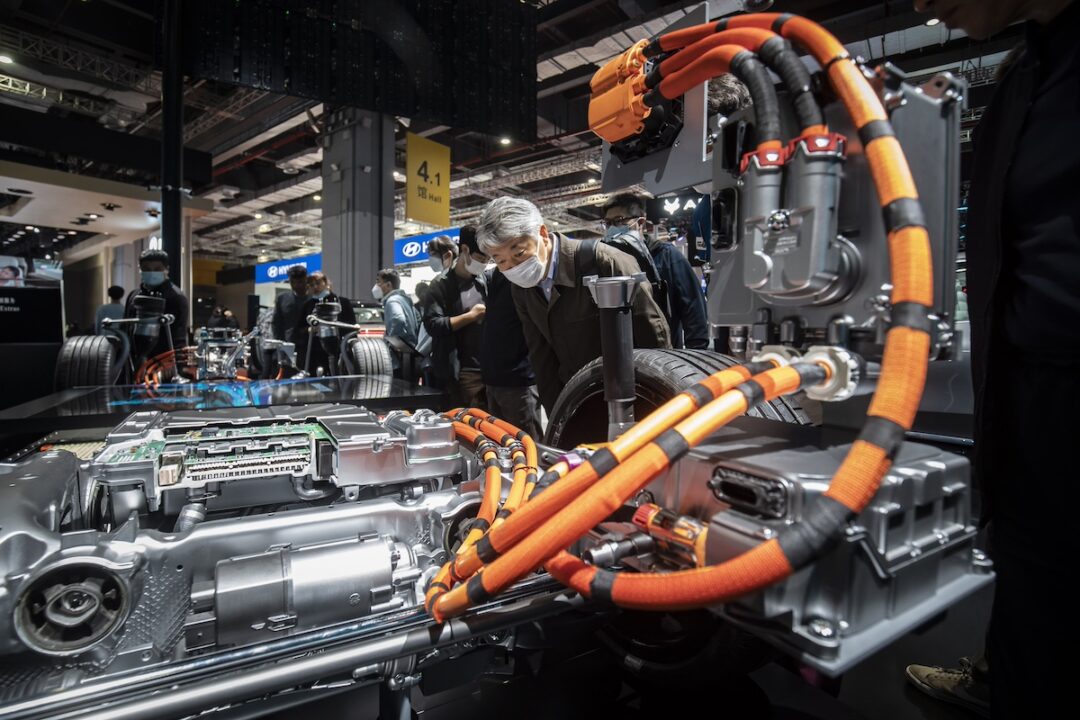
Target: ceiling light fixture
29 227
92 216
504 141
932 22
37 230
592 181
257 216
71 232
6 60
316 197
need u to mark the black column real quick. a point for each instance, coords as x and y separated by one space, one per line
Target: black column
172 138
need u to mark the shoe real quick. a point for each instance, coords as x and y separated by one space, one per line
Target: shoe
960 686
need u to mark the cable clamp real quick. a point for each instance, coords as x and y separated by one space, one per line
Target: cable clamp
764 158
779 355
844 373
819 144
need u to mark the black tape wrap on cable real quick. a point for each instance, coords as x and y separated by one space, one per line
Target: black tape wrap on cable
910 315
778 55
485 551
883 433
820 529
753 74
600 587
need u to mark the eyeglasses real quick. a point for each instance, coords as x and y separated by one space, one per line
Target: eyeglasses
617 221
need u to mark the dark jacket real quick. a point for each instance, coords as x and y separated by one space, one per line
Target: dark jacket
302 334
504 355
1023 249
689 328
444 302
564 334
287 308
176 304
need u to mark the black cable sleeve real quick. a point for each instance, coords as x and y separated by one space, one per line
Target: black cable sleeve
883 433
699 394
601 585
820 529
779 56
910 315
903 212
485 551
753 392
753 74
875 129
673 444
603 461
475 591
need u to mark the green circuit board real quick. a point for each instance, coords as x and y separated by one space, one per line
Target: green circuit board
187 441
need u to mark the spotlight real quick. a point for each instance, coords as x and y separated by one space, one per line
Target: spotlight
592 181
29 227
71 232
6 60
504 141
316 197
932 22
92 216
257 216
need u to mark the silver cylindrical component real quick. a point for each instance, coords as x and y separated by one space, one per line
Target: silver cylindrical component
285 590
190 515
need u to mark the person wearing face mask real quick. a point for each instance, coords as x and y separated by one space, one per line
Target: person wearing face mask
559 318
625 215
1023 296
287 305
399 316
441 254
319 289
453 315
154 280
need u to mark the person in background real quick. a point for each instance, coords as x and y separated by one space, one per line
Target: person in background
1023 283
453 316
222 317
154 280
399 316
441 254
625 213
422 290
288 304
319 289
559 319
113 310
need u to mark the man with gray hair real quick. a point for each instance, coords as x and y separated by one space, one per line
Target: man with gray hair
559 318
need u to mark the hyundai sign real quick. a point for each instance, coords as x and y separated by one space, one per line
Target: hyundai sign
409 250
279 271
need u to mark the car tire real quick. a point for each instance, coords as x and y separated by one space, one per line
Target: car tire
85 360
371 356
580 413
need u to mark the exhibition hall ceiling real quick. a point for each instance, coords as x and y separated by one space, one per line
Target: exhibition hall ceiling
255 157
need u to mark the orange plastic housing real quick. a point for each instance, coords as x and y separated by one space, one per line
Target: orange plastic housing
620 112
619 68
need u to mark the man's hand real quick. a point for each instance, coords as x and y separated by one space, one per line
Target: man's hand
478 311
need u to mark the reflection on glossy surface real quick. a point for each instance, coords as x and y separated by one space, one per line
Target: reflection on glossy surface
120 400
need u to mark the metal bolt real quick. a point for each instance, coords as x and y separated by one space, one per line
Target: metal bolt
822 628
977 554
644 497
354 599
779 220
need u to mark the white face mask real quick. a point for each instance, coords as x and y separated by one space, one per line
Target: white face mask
377 291
475 268
435 262
527 274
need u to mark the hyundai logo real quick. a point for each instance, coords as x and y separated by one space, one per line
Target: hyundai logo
411 249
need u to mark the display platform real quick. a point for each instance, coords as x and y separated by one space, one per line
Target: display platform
108 405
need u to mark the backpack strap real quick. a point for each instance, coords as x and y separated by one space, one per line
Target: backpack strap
586 258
